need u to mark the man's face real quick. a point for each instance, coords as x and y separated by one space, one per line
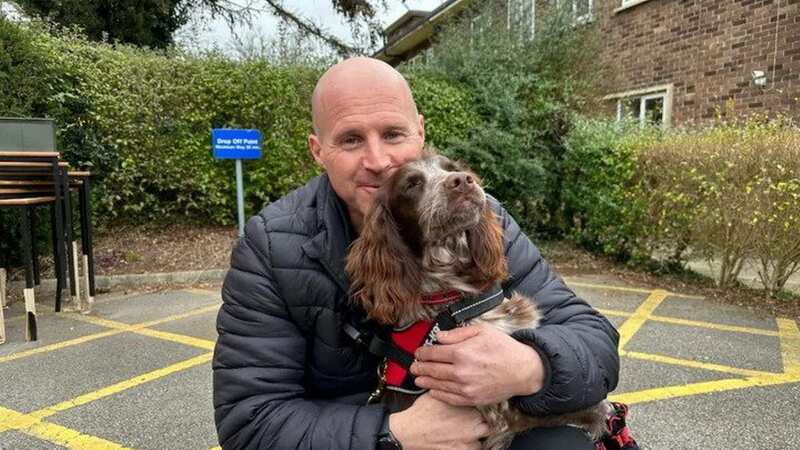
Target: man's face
364 134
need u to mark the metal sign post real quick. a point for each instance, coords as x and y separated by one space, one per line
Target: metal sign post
238 144
240 196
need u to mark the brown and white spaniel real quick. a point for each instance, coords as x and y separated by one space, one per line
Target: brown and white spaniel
431 231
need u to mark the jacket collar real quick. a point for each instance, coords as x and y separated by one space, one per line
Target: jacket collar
329 246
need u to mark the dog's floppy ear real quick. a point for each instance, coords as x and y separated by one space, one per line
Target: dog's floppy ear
487 248
385 276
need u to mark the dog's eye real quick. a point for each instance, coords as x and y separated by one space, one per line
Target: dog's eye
413 182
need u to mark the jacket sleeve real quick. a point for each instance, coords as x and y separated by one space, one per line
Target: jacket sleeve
577 344
259 367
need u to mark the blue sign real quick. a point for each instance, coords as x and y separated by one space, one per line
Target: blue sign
228 143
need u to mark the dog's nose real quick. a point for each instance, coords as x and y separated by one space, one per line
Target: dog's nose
459 182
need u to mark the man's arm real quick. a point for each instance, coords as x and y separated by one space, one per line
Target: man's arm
577 344
259 364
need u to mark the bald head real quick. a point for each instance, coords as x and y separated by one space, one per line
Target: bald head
357 78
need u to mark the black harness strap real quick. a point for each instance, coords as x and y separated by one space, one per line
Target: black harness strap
453 316
458 313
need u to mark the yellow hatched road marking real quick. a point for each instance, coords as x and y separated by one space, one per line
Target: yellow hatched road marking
34 425
638 318
57 434
790 345
685 390
694 364
205 344
713 326
210 292
611 287
164 335
614 312
121 386
117 328
58 345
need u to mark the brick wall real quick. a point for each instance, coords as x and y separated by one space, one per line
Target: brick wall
707 49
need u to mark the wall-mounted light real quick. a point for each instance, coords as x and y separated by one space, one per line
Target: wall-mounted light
759 78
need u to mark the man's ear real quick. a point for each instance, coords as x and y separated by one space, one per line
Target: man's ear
315 148
421 127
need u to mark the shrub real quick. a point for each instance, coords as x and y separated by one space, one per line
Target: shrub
728 192
599 170
735 186
524 93
140 120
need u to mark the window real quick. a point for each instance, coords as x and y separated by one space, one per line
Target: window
479 25
421 58
649 109
522 18
581 9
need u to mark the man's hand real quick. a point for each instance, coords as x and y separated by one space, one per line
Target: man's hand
477 365
430 424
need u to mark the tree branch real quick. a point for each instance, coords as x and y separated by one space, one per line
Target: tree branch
307 26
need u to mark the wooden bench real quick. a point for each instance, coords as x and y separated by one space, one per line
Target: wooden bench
31 179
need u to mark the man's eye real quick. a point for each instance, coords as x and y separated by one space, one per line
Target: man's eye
350 141
393 135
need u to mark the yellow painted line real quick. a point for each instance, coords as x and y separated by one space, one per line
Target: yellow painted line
213 293
117 328
695 364
11 420
216 448
142 329
614 312
130 327
612 287
642 314
693 323
121 386
58 345
665 393
57 434
790 346
205 344
713 326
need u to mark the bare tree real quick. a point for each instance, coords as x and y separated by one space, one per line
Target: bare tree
360 14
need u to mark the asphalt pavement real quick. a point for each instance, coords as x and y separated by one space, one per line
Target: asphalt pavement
136 372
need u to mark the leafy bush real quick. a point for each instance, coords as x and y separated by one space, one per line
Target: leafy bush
736 188
525 92
140 120
599 169
729 192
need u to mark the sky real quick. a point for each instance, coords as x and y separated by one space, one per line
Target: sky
216 34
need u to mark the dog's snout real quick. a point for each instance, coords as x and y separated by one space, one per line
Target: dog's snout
459 182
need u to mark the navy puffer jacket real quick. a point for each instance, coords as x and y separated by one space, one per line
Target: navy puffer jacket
287 377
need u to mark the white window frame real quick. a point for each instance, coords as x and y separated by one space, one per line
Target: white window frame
586 18
665 91
475 20
516 4
625 4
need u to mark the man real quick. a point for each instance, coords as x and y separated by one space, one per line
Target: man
286 376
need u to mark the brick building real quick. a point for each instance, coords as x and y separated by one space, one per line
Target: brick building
674 61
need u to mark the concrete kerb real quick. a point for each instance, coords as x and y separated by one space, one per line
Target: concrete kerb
106 283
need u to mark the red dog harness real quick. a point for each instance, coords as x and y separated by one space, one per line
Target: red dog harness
405 341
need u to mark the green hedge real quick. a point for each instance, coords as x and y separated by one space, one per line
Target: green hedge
728 192
141 121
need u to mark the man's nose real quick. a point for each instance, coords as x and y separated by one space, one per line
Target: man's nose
459 182
376 158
